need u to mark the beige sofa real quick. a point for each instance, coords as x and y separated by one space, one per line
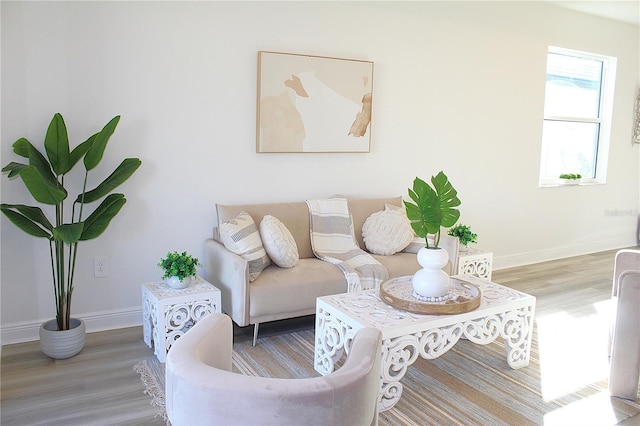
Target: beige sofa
281 293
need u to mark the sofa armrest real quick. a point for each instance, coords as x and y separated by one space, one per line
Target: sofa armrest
230 273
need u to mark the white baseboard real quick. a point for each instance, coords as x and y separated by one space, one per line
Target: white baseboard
528 258
97 321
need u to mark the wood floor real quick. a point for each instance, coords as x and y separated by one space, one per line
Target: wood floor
99 386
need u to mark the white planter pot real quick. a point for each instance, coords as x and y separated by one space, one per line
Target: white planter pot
63 344
174 282
569 181
431 281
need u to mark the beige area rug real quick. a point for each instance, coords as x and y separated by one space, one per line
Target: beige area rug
469 385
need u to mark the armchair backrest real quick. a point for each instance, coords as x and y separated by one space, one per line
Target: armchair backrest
625 260
624 373
201 389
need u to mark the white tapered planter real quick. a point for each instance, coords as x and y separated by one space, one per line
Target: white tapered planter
174 282
431 281
62 344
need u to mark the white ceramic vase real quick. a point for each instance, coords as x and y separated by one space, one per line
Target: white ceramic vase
63 344
431 281
174 282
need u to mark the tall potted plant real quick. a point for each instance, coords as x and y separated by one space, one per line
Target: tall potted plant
432 209
44 178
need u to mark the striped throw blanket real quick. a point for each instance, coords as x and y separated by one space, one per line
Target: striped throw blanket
333 241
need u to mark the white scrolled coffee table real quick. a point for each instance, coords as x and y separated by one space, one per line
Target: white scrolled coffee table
502 312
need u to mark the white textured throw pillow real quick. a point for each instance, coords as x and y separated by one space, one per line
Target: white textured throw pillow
241 236
278 242
387 232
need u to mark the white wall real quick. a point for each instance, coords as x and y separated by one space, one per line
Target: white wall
458 87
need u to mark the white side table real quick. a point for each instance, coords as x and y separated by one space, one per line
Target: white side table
476 262
168 313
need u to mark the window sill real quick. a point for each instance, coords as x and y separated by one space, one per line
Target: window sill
557 185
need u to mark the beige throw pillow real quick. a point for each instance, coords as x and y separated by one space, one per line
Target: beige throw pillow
241 236
278 242
387 232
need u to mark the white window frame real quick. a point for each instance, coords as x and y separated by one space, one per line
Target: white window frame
604 118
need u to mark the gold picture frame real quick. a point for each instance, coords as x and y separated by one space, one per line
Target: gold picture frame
313 104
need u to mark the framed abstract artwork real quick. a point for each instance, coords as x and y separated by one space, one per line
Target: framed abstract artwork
313 104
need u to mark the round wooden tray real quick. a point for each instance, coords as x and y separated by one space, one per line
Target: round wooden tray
398 292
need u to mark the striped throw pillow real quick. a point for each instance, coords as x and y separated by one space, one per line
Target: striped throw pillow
241 236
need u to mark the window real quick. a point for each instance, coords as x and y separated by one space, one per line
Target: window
577 115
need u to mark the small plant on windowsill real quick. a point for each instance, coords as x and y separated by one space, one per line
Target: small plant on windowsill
179 268
570 178
463 234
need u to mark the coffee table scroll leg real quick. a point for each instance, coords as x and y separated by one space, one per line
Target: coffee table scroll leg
397 355
400 352
333 338
517 330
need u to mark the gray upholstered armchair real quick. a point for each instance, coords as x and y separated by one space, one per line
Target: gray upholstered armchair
201 389
625 346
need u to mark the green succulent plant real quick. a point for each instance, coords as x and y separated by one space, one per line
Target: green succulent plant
179 265
433 208
463 234
44 178
572 176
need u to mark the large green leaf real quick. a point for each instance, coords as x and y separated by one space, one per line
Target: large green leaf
98 221
36 159
69 233
33 213
39 188
27 219
424 213
120 175
447 200
80 150
94 155
21 147
13 168
432 208
56 144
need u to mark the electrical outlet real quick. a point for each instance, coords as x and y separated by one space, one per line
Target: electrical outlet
100 266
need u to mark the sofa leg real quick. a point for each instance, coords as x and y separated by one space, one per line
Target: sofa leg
255 333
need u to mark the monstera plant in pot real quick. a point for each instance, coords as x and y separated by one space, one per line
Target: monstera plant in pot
432 209
44 178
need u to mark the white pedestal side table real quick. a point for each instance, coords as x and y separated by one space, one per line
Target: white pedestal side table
476 262
168 313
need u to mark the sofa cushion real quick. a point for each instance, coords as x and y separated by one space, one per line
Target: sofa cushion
400 264
279 290
278 242
362 208
387 232
240 235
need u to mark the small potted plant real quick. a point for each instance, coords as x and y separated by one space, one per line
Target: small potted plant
463 234
570 178
178 269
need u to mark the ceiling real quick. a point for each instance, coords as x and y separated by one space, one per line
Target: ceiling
623 10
